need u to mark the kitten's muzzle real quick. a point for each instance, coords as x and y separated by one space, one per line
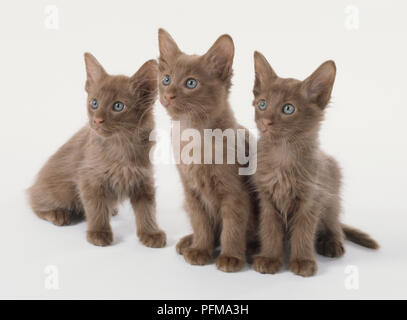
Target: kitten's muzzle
266 124
98 121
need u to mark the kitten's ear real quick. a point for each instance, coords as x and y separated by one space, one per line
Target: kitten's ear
263 71
168 48
219 58
143 84
318 86
94 70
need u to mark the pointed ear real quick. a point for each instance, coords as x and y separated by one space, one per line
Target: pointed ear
143 84
168 48
219 58
318 86
94 71
264 73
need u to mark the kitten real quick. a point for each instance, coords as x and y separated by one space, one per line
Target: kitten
298 184
107 160
194 90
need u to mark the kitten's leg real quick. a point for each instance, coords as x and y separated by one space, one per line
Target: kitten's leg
54 204
59 217
143 203
98 205
330 237
202 246
302 236
271 256
184 243
235 215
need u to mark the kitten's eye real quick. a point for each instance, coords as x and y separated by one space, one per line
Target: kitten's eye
94 104
191 83
118 106
166 80
262 104
288 109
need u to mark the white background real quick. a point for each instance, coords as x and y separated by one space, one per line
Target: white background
42 77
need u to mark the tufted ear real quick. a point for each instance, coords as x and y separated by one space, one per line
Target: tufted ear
94 71
168 48
219 58
318 86
264 73
143 84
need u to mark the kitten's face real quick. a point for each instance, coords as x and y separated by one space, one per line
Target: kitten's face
194 86
288 108
119 104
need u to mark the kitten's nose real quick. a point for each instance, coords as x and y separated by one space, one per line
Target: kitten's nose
169 97
267 122
98 120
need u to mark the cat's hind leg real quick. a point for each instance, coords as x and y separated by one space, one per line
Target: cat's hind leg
56 205
330 236
59 217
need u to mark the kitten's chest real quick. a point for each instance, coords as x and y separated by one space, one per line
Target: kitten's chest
123 177
283 187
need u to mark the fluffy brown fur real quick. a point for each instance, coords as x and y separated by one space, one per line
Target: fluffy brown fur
217 199
298 184
107 160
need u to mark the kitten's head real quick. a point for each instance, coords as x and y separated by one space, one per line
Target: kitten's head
119 104
289 108
191 85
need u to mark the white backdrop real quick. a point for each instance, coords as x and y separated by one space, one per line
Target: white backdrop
42 77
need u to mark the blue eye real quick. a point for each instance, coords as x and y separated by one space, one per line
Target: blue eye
288 109
166 80
262 104
94 104
118 106
191 83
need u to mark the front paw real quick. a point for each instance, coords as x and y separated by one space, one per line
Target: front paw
267 265
304 268
153 240
197 257
100 238
184 244
229 264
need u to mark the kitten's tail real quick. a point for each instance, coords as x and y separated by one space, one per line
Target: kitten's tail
359 237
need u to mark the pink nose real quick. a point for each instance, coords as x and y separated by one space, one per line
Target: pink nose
169 97
98 121
267 122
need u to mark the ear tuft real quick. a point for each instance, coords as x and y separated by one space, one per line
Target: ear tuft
264 73
318 86
143 84
167 45
219 58
94 70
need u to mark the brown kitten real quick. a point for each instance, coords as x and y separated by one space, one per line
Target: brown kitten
298 184
107 160
194 90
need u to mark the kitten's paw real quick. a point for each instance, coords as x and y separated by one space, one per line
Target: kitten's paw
329 247
184 243
197 257
305 268
267 265
58 217
100 238
115 212
153 240
229 264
